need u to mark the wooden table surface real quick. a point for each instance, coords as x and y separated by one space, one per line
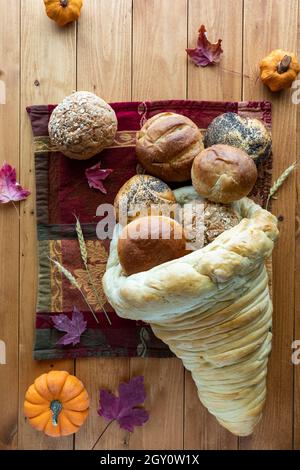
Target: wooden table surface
135 50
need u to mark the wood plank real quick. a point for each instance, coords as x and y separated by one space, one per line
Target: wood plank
297 271
48 72
159 43
9 221
276 428
223 20
159 72
104 67
222 82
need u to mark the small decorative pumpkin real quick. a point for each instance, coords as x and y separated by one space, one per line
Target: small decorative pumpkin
56 403
279 69
63 11
247 134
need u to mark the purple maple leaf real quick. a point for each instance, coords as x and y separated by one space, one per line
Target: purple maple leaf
74 327
10 190
124 407
95 175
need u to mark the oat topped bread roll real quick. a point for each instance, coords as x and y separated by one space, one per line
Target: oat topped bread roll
167 145
142 195
149 241
207 221
217 219
223 174
82 125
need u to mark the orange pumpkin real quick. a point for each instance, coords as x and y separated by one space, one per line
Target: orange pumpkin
63 11
279 69
56 403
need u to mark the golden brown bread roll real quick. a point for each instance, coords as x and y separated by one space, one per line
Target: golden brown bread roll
167 145
223 174
149 241
143 193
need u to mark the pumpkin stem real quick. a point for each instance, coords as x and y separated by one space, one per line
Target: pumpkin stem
64 3
284 64
55 407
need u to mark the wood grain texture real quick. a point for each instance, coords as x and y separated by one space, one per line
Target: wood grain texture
9 221
276 429
159 43
104 67
164 381
48 73
223 20
221 82
159 72
297 264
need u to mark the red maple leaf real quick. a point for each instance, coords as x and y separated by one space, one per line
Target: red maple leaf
10 190
96 175
205 52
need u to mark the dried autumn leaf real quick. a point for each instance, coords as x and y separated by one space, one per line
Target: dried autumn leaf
205 52
124 408
95 175
74 327
10 190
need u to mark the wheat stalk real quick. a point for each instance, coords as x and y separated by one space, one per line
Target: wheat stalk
74 283
279 182
84 256
81 241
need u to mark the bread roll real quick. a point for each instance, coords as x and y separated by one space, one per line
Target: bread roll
82 125
223 174
245 133
167 145
142 195
149 241
207 221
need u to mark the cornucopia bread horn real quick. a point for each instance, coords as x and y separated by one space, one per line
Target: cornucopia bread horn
213 308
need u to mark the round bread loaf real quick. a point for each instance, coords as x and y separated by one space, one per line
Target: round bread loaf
248 134
167 145
82 125
223 174
143 195
149 241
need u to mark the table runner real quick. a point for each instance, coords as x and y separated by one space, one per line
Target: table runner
62 191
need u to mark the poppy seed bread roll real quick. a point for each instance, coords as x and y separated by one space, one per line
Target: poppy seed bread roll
167 145
149 241
142 195
223 174
245 133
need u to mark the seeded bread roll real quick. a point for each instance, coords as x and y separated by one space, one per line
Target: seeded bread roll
245 133
82 125
167 145
217 219
149 241
142 195
207 221
223 174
